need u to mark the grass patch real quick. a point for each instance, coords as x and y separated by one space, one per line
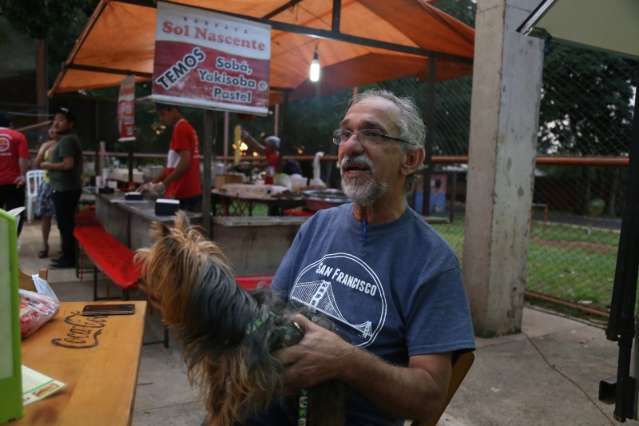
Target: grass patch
568 262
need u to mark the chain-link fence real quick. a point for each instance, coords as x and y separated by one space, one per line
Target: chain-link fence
585 115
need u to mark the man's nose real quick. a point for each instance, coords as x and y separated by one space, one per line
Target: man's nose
352 145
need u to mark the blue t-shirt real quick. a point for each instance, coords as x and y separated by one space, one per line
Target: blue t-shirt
393 289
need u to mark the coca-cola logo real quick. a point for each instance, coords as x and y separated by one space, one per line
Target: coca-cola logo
82 332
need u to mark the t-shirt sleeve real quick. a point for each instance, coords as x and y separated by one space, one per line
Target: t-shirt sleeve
184 137
285 274
439 318
67 148
23 147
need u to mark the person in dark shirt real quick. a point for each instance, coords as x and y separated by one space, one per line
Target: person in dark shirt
65 175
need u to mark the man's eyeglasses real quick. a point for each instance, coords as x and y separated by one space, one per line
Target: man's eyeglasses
374 136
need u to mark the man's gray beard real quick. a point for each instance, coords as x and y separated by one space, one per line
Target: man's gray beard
363 191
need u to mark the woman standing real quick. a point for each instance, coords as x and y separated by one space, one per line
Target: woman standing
44 203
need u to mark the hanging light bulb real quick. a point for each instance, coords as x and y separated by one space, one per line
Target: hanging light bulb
314 70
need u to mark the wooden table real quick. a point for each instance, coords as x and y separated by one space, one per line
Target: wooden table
96 357
230 204
130 221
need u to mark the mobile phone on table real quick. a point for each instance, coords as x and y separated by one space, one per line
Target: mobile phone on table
109 309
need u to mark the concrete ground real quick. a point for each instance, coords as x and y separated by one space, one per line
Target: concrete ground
547 375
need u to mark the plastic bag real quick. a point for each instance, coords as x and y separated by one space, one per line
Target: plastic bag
35 310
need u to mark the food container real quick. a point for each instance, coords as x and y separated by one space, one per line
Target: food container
318 199
166 206
133 196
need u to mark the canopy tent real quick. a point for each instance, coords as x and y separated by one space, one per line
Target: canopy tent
359 42
611 27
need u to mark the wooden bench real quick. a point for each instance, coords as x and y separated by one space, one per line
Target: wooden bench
110 256
116 262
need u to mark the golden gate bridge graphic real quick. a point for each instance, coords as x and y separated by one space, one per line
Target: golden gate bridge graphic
319 295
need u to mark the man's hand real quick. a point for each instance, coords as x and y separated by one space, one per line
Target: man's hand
417 391
19 181
157 188
318 357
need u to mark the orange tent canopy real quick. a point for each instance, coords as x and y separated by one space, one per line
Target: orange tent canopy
373 40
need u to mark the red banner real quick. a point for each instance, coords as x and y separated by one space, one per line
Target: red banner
126 110
210 60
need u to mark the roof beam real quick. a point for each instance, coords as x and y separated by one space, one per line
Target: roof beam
324 34
337 13
281 9
107 70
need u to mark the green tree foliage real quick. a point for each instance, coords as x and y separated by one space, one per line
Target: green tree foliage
464 10
586 106
58 22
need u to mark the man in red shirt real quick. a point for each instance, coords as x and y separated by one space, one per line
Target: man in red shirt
181 177
14 163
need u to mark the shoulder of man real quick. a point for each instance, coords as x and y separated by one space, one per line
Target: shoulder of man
183 131
326 219
184 126
68 143
13 134
69 137
436 250
21 136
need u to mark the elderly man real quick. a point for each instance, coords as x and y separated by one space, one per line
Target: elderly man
391 285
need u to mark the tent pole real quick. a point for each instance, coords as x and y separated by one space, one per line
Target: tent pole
621 325
226 137
209 141
429 118
337 12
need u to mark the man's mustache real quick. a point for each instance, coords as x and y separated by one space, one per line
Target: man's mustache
357 161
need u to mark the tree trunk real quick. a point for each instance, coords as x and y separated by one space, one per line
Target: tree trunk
42 80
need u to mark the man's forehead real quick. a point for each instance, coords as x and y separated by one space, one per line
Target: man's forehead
373 112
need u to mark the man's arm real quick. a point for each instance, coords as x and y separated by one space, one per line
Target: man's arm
66 164
24 167
415 392
182 166
180 169
23 160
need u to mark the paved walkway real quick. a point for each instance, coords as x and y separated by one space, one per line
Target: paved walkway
547 375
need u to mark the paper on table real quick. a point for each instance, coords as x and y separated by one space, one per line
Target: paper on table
37 386
43 287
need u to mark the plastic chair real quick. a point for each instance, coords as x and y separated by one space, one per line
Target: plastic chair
34 178
461 365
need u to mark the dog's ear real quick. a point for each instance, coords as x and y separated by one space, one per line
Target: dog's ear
182 221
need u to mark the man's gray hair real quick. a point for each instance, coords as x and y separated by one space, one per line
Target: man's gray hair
411 126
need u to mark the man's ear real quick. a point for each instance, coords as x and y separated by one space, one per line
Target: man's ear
412 161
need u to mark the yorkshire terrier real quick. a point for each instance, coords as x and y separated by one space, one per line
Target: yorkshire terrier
229 335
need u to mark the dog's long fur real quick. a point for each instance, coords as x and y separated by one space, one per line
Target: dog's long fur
229 335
